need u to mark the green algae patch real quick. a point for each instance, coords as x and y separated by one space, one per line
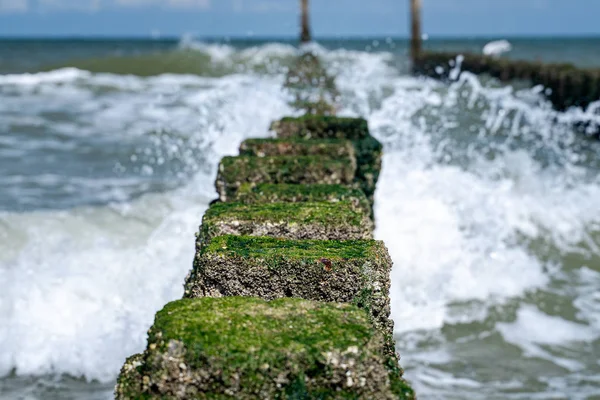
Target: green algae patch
285 193
316 220
237 171
247 348
333 148
348 271
368 149
314 91
319 106
130 378
309 74
322 127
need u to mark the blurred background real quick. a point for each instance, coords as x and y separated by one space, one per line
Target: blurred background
115 113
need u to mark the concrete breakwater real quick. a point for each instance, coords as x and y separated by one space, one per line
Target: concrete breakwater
568 85
288 297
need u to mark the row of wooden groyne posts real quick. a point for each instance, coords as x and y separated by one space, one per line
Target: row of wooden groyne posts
288 297
565 84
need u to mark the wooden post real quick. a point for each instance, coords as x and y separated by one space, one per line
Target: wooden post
305 36
416 38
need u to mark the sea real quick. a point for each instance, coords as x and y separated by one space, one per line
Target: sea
489 203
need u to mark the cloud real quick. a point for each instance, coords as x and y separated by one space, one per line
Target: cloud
10 6
79 5
263 6
15 6
191 4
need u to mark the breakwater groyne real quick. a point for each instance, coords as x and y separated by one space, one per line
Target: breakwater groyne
288 297
566 85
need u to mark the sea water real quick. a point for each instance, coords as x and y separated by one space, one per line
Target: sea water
488 202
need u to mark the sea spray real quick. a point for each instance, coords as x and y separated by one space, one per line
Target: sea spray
487 200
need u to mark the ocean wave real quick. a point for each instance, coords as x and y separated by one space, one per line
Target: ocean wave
486 202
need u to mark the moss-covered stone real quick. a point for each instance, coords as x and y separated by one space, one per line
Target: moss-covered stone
313 89
351 271
282 193
236 171
308 73
245 348
319 106
368 149
333 148
315 220
131 377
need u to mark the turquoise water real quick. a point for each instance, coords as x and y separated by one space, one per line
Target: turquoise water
487 202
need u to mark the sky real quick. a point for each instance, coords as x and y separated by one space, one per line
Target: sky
275 18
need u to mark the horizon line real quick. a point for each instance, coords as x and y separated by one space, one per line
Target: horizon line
295 37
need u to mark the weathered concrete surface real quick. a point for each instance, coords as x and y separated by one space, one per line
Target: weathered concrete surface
237 171
315 182
245 348
355 271
316 220
313 89
285 193
333 148
368 149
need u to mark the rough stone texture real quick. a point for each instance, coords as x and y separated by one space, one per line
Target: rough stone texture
245 348
130 378
236 171
571 86
319 106
313 89
282 193
307 74
324 221
353 271
368 149
333 148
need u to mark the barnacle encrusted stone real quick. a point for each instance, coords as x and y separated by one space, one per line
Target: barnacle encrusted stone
368 149
334 148
349 271
236 171
313 89
286 193
247 348
315 220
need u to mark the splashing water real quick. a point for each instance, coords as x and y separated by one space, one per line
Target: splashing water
497 47
487 203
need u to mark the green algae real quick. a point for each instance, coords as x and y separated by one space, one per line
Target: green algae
313 89
319 106
219 323
315 220
298 147
368 149
348 271
284 193
247 348
308 250
236 171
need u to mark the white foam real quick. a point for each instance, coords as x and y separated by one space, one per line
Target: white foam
63 75
84 284
533 329
533 326
80 287
454 231
497 47
217 52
